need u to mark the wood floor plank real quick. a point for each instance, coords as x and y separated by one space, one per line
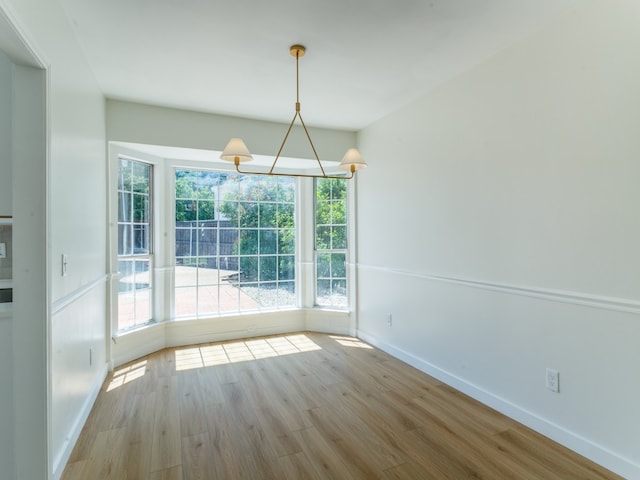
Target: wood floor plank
173 473
297 466
322 456
166 449
106 460
302 406
197 461
410 471
226 447
191 404
275 419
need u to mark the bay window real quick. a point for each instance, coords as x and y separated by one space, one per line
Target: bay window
197 243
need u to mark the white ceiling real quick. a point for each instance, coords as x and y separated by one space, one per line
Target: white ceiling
365 58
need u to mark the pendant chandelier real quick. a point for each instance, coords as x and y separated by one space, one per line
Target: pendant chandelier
237 152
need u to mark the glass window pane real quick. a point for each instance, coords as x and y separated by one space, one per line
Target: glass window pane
323 292
185 211
186 272
231 299
286 267
248 214
339 238
227 241
229 270
248 242
206 210
206 184
323 265
286 190
140 208
268 268
268 294
286 241
134 293
338 265
339 212
207 275
126 269
268 241
207 299
185 299
207 239
141 177
268 215
185 184
323 213
125 239
286 215
323 238
248 269
185 245
140 238
229 212
124 175
143 306
287 294
124 207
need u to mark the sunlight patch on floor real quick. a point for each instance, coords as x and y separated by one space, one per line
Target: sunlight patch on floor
350 342
124 375
242 351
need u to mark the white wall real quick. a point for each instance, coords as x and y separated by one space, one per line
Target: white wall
506 240
54 343
146 124
5 134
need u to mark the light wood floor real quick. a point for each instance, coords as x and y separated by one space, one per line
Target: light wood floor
301 406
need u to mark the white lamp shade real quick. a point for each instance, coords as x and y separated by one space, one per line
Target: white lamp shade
236 149
352 159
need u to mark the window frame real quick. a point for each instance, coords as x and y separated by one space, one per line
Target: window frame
133 256
332 251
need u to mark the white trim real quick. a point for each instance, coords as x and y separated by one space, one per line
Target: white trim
34 56
60 461
575 298
581 445
62 303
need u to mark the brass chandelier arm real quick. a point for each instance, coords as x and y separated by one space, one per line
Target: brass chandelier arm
302 175
273 165
312 145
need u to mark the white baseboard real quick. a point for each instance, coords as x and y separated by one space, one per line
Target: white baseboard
578 444
60 460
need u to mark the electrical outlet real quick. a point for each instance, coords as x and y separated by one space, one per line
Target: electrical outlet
553 380
3 250
389 320
64 265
